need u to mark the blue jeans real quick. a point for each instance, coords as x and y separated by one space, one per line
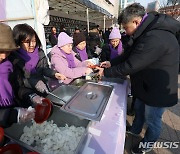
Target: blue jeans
150 115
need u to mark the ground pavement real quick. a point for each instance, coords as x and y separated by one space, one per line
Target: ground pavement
170 130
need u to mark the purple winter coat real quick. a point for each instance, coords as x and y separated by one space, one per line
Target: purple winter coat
59 63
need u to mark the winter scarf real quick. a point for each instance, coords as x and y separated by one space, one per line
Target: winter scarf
70 59
83 54
115 51
31 59
6 92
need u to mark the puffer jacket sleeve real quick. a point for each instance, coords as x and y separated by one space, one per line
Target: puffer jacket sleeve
42 70
105 54
60 64
144 54
8 117
47 71
20 91
20 76
121 58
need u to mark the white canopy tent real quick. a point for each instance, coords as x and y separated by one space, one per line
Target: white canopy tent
32 12
83 10
36 13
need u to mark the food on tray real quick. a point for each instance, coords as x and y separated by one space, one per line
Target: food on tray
51 139
93 66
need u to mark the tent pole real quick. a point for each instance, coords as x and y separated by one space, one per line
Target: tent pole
104 23
16 19
87 13
35 14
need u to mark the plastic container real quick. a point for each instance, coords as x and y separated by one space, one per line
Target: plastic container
1 135
43 111
60 118
11 149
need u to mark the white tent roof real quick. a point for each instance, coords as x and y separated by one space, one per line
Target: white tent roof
78 7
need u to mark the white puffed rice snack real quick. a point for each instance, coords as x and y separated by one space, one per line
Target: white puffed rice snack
51 139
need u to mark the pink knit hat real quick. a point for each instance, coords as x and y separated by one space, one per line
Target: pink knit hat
64 39
115 34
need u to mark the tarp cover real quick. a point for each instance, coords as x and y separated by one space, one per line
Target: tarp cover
93 6
32 12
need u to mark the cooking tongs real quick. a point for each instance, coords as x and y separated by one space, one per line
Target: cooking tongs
63 101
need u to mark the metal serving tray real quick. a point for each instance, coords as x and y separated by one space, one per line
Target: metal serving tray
60 118
90 101
78 82
65 92
87 102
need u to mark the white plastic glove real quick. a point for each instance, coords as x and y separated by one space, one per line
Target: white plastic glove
88 71
98 50
96 61
41 87
101 71
37 99
25 115
105 64
60 76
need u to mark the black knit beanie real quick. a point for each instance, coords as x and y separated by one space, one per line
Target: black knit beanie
78 38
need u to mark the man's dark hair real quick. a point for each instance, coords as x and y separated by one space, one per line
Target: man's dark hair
131 11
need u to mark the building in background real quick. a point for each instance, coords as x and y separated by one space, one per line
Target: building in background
76 13
66 14
173 2
124 3
111 6
153 6
172 8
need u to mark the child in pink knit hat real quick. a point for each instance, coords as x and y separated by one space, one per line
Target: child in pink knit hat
114 48
63 59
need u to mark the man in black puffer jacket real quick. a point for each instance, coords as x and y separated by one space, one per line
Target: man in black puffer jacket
151 58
